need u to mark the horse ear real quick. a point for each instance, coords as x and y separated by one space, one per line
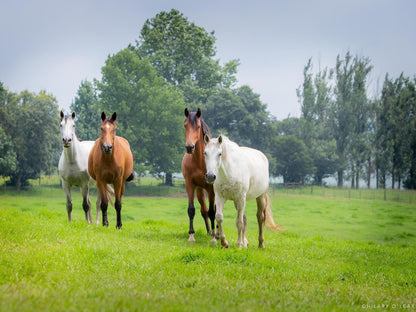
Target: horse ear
114 116
206 139
198 113
186 112
103 116
73 115
62 115
220 139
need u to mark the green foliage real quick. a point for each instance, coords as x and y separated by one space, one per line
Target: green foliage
8 159
182 53
30 120
148 110
335 256
240 115
396 128
315 99
86 107
291 158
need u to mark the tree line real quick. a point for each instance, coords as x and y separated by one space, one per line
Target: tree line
172 65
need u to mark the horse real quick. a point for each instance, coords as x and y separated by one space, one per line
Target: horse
239 174
110 161
194 170
73 165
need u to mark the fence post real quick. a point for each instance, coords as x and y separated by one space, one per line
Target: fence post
385 194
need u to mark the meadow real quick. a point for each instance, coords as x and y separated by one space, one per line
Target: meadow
336 255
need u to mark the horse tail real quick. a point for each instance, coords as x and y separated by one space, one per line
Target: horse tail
130 177
109 194
268 215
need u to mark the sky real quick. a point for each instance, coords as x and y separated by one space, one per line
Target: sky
53 45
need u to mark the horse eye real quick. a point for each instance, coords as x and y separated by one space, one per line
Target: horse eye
219 154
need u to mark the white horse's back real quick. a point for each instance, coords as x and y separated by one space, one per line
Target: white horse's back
258 167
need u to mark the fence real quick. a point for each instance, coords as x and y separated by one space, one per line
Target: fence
394 195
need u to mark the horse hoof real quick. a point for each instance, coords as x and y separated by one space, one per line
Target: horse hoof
213 241
224 243
191 238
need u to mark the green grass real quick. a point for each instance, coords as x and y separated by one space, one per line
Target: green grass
336 255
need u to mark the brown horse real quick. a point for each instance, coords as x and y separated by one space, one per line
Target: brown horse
194 170
110 161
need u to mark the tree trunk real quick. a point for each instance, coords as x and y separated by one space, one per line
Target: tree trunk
169 179
357 176
340 178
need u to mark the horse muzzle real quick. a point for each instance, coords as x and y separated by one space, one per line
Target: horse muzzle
107 148
210 178
190 149
67 142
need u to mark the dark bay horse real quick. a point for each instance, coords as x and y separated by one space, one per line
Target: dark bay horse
194 170
110 161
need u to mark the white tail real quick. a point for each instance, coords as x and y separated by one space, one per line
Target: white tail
268 216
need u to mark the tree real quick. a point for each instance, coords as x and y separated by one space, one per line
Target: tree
315 99
149 110
341 111
241 115
384 125
8 161
359 146
182 53
85 106
291 159
31 121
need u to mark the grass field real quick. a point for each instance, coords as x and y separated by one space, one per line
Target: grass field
336 255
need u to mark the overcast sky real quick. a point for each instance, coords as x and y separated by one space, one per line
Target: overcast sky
54 45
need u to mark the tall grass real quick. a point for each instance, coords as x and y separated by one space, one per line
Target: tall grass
336 255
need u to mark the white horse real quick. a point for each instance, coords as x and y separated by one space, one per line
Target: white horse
239 174
73 167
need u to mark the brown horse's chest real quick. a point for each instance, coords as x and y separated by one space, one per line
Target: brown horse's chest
109 172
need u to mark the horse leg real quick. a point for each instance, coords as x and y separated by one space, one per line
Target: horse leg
86 203
191 210
98 207
67 188
260 218
200 194
220 217
117 206
211 214
104 203
241 222
118 192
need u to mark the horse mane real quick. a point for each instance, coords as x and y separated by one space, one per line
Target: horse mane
205 128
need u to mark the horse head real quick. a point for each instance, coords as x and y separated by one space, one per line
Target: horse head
192 125
67 129
108 132
213 157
